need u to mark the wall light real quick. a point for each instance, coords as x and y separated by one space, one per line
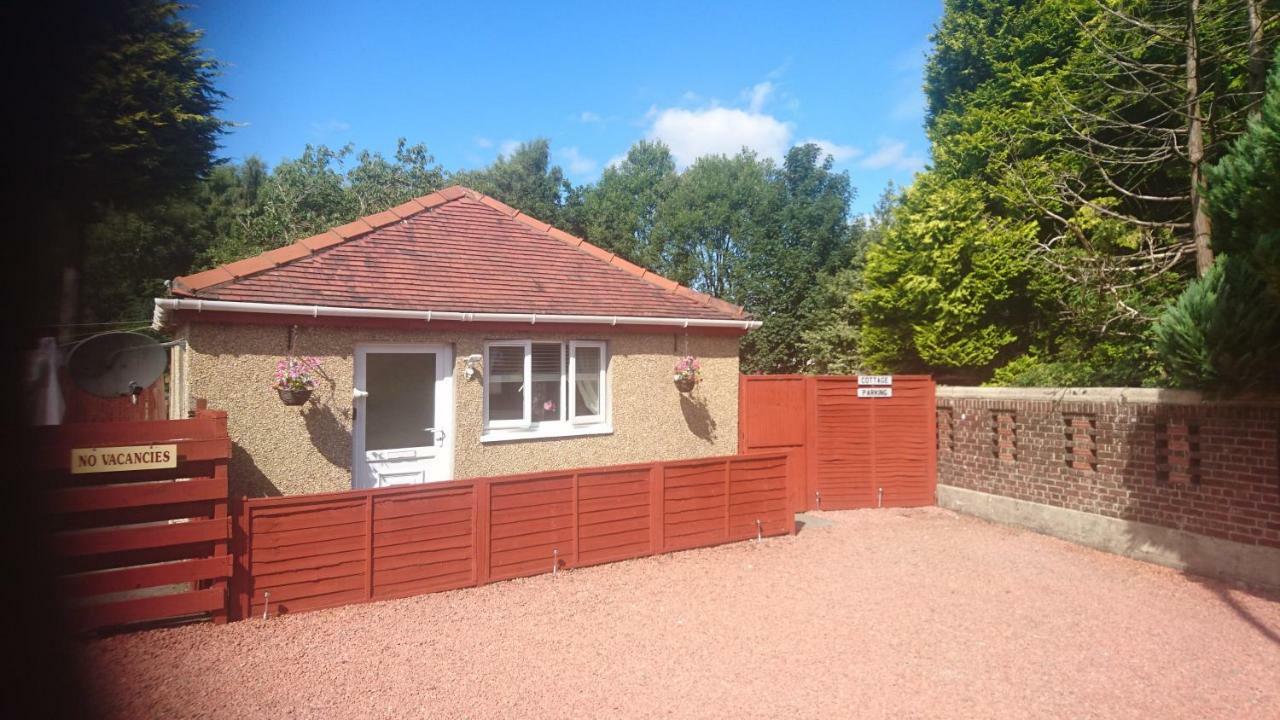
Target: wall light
472 366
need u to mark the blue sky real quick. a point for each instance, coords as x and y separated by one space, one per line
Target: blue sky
470 80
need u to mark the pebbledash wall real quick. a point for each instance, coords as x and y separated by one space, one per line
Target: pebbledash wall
280 450
1165 476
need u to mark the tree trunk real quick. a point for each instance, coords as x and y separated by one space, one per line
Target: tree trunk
1195 144
1257 58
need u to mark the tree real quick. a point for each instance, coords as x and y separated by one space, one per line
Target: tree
720 208
1223 333
1160 88
781 267
130 122
961 306
1074 122
1244 188
621 211
831 319
313 192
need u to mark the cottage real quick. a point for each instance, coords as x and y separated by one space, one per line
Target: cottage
455 337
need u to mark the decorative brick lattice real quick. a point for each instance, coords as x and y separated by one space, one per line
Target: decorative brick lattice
1004 435
1205 467
946 430
1177 452
1081 441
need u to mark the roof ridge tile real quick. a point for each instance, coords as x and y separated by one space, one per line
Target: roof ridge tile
500 206
355 228
408 208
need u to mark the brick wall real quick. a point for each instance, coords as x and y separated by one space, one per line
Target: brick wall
1159 457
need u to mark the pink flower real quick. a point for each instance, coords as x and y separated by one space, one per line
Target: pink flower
549 405
296 373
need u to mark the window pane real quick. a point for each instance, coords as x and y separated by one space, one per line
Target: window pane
548 398
401 404
587 381
506 382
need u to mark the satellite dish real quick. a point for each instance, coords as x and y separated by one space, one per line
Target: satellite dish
112 364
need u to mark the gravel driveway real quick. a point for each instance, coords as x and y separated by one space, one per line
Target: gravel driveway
881 613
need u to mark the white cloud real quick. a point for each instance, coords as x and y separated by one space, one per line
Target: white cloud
893 154
484 142
578 164
718 131
838 152
508 147
693 132
758 95
616 160
589 117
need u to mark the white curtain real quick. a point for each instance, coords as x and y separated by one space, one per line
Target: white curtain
587 380
588 394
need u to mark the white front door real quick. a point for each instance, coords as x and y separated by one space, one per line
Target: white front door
403 415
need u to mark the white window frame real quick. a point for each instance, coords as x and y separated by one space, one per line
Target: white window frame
572 380
526 421
571 426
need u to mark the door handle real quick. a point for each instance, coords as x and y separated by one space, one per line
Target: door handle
437 435
357 393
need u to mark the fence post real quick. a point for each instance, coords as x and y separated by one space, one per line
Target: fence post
577 524
482 491
810 441
242 564
657 501
727 492
221 548
795 458
368 545
933 444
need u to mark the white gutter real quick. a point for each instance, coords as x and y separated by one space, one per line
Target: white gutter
165 305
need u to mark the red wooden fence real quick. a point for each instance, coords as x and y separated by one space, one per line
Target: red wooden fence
140 545
859 451
315 551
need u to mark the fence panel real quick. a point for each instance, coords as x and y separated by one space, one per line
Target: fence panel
140 545
858 451
313 551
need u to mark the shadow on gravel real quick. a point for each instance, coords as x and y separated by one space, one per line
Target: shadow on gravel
1223 592
804 520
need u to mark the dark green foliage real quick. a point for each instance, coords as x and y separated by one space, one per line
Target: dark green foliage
1223 333
807 237
621 211
123 122
143 122
1244 190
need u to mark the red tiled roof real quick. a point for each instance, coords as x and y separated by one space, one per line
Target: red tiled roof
453 250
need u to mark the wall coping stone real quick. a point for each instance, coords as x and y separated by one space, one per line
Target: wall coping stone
1119 395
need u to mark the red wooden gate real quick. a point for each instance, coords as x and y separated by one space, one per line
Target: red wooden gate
140 545
859 452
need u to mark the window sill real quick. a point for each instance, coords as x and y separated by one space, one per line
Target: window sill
560 430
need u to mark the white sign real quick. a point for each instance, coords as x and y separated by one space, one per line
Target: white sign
875 379
875 392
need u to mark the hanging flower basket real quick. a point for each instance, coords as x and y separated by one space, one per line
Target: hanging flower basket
295 379
688 372
294 397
